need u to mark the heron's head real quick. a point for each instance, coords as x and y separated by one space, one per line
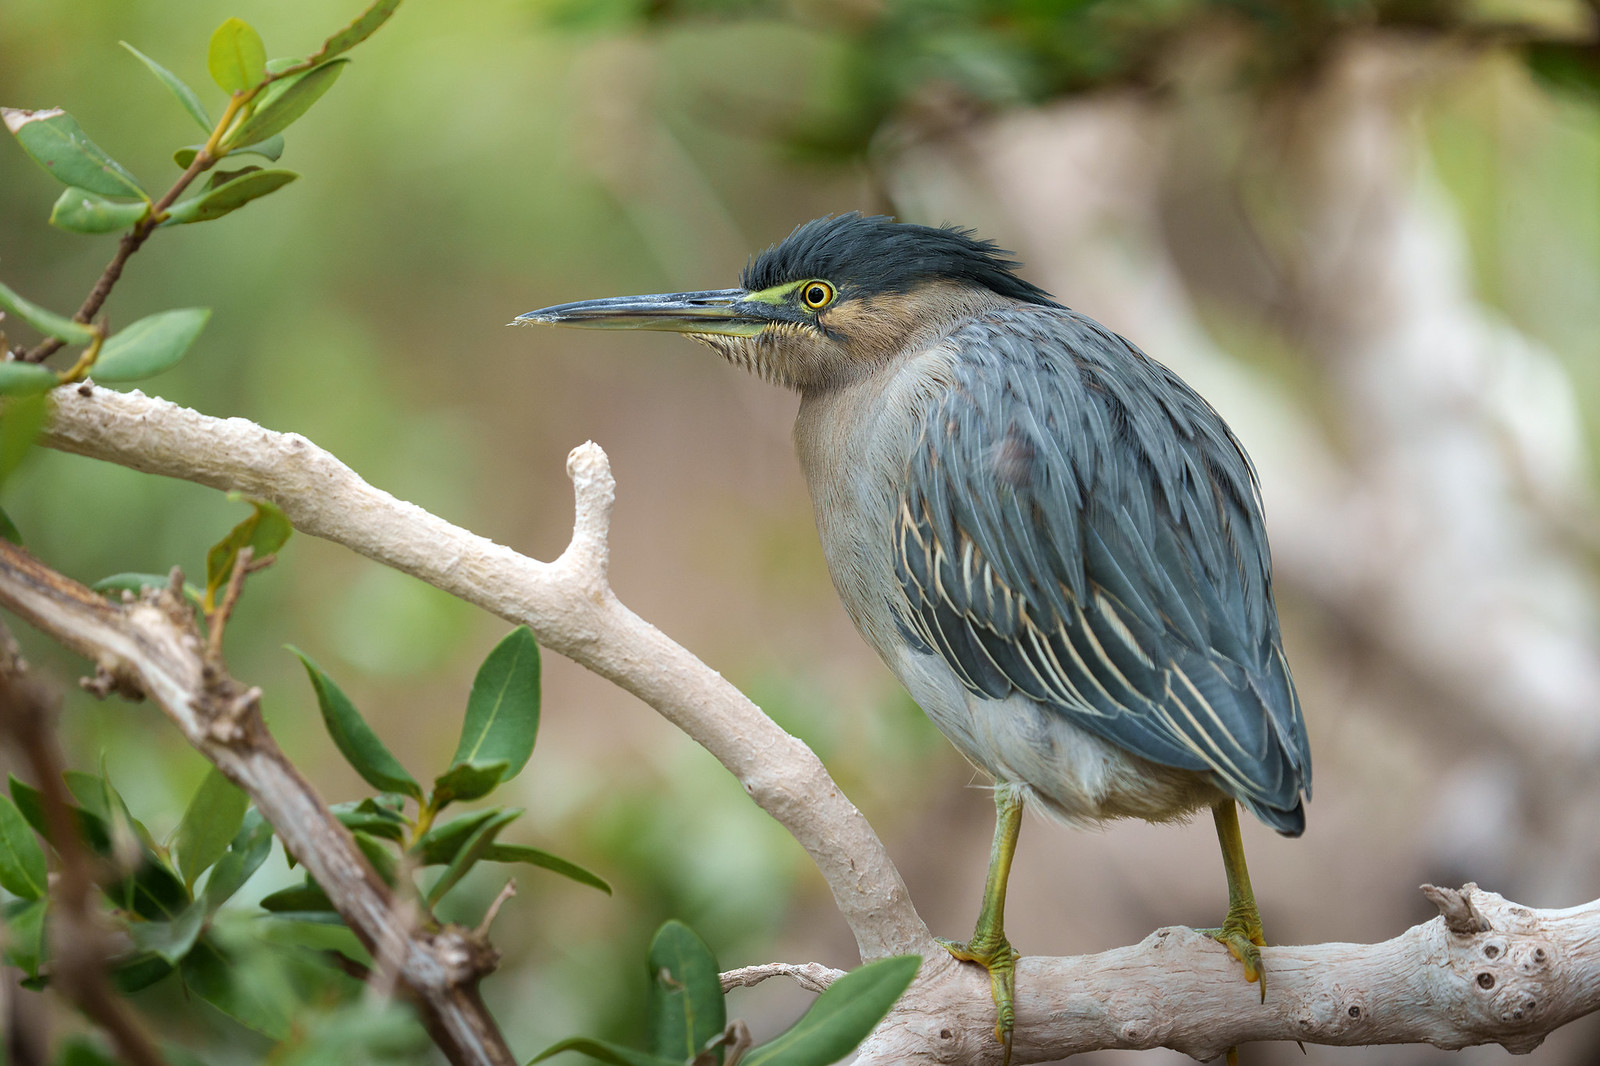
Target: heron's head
840 295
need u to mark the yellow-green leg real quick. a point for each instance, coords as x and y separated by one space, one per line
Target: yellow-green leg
988 946
1241 929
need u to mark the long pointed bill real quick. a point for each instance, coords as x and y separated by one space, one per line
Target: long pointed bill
727 311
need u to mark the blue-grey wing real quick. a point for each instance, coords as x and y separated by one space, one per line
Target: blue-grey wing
1078 525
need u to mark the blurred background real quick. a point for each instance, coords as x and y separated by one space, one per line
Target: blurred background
1367 230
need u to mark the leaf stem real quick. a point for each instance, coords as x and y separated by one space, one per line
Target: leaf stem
80 369
426 812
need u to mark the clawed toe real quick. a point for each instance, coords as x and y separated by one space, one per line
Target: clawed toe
1247 949
1000 959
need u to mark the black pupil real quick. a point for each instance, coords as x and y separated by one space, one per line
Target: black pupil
816 294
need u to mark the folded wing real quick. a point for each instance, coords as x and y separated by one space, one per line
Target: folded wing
1078 525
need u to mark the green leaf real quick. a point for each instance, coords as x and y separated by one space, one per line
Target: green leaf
282 104
225 199
91 828
354 738
370 817
80 1051
21 420
440 843
171 940
135 583
1572 66
366 1030
265 532
304 898
216 978
84 1051
841 1017
237 59
467 781
381 858
614 1054
209 824
220 177
313 934
22 866
178 1056
267 148
245 854
89 790
149 346
686 1006
543 859
9 530
365 25
26 379
24 933
115 809
470 852
81 211
271 148
56 142
47 322
141 973
175 85
502 719
154 891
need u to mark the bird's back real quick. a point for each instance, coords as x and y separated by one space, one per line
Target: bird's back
1076 529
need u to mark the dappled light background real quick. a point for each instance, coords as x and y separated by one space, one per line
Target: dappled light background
1369 233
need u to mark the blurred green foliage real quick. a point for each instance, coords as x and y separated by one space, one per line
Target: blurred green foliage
954 58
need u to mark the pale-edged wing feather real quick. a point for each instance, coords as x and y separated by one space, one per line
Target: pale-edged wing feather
1078 525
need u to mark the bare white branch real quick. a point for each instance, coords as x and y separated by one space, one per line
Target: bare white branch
1529 973
568 604
1445 984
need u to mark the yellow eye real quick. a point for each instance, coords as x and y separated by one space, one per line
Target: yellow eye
816 294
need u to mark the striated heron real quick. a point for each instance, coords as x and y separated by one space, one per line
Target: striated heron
1053 542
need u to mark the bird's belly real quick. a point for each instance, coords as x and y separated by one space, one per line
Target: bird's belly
1069 772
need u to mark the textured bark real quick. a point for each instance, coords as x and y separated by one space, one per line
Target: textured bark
150 648
1530 972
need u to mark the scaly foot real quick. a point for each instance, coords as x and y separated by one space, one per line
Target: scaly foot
996 955
1241 935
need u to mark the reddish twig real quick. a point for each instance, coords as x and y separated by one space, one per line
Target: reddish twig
218 619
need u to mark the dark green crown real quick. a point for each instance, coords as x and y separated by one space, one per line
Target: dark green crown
872 254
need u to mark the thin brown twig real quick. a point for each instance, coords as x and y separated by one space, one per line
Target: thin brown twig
489 915
218 620
78 940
